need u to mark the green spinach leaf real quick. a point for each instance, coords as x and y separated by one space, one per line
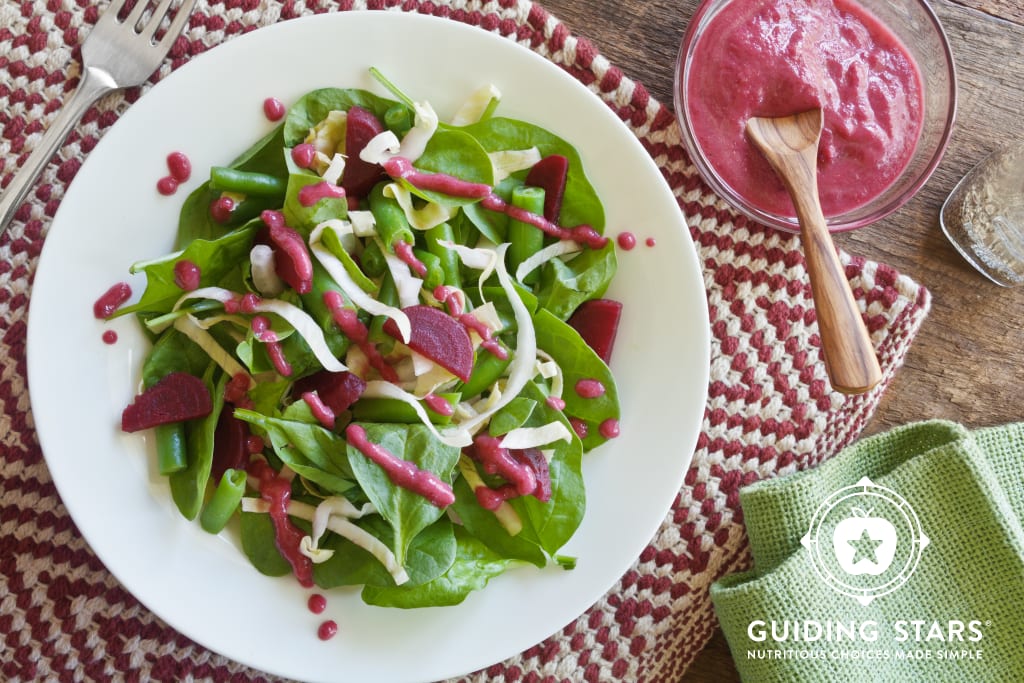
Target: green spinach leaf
406 511
578 362
475 564
580 204
216 259
312 451
566 284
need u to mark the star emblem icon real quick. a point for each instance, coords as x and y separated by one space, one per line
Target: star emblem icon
864 541
865 547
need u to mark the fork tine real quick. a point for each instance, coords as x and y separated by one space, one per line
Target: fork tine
175 29
133 17
110 13
159 12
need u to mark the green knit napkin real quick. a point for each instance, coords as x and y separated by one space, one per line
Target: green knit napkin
901 559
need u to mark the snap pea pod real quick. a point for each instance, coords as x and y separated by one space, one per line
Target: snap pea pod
225 500
525 239
247 182
171 454
434 238
392 225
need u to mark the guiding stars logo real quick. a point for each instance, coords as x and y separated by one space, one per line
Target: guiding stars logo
865 541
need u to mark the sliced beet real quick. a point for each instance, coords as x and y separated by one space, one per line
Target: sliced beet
535 460
360 176
597 321
338 390
439 337
176 397
550 174
230 443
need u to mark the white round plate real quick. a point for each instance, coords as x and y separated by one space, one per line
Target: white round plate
112 216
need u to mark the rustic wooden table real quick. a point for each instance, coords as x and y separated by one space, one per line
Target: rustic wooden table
965 363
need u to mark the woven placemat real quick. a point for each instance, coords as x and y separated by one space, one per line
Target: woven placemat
770 410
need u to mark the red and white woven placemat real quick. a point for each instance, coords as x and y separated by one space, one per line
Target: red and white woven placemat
770 410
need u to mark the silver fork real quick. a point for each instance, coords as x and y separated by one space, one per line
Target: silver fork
116 54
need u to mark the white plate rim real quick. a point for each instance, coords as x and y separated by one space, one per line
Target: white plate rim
674 254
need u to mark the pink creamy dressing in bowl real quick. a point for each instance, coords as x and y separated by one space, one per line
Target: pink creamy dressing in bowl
881 70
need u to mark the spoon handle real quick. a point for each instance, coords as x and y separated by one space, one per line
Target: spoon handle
850 359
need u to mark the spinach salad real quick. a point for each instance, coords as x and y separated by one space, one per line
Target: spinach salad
374 348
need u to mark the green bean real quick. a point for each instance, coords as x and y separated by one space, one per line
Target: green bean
314 304
435 273
247 182
388 295
525 239
171 454
398 119
224 501
448 258
372 259
392 225
395 411
486 371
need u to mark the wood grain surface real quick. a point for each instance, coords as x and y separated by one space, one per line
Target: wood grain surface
967 363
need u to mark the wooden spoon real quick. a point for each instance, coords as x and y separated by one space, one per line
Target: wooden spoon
790 143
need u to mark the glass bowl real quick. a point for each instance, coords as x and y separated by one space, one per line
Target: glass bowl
914 23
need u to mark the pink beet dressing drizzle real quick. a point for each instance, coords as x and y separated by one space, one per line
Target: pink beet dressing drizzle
109 337
111 300
261 329
498 460
167 186
311 194
180 166
187 275
626 241
254 444
179 170
609 429
492 498
439 405
402 472
589 388
303 155
317 603
321 411
273 109
650 241
403 250
327 630
236 393
287 537
555 402
584 234
352 327
400 167
221 209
